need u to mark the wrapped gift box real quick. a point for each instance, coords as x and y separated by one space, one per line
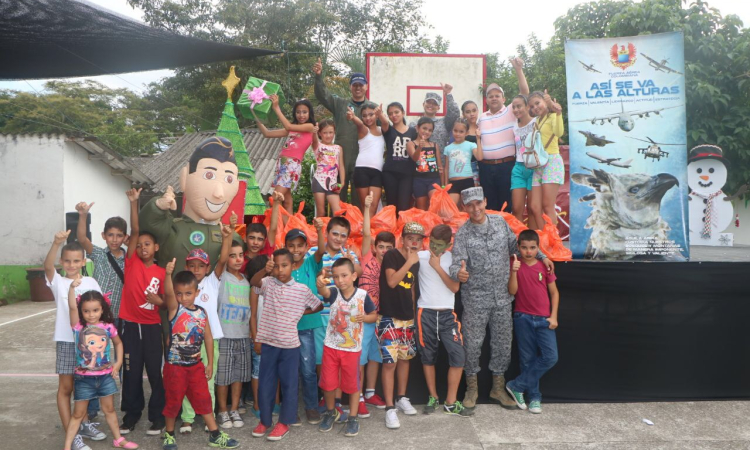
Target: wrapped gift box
262 109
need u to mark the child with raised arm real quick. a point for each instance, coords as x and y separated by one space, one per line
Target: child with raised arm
534 320
437 321
140 327
72 259
198 263
368 171
370 360
185 374
284 303
300 133
92 324
429 163
350 307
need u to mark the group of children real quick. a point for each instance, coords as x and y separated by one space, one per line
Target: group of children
272 317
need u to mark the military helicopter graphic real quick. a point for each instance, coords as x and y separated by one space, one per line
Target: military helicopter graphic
653 150
625 118
592 139
660 66
610 161
588 67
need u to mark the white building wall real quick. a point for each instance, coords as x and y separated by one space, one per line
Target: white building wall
92 181
31 196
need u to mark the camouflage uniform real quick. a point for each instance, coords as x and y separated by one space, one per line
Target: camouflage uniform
487 249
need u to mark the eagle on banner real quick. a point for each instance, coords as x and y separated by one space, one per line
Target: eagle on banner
622 57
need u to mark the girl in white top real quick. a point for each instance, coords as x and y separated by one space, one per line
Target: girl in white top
368 168
520 179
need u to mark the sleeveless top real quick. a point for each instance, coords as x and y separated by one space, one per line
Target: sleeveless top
296 145
520 134
327 160
186 334
371 149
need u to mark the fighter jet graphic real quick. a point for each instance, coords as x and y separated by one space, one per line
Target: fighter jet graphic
592 139
588 67
610 161
660 66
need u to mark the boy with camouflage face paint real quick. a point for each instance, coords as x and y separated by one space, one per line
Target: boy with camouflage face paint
437 322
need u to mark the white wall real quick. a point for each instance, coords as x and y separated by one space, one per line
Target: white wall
31 196
741 233
92 181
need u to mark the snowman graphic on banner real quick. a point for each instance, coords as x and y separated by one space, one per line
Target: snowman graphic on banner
710 213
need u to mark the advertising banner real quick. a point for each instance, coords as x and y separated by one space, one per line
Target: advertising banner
628 156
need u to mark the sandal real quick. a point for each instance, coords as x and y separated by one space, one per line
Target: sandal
122 443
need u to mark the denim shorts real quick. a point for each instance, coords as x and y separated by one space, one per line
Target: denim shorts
89 387
370 345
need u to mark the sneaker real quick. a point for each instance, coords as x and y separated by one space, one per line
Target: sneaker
343 414
313 416
279 431
155 429
517 397
126 428
352 427
92 417
241 409
222 441
260 430
78 443
224 420
535 407
362 410
457 409
186 428
391 419
376 401
329 417
124 443
88 430
236 419
432 405
404 405
168 443
296 423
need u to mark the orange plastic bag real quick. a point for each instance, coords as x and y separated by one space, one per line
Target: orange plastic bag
355 218
279 237
297 221
442 204
384 220
551 244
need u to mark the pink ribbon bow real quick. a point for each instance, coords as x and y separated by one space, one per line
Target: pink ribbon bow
105 295
257 95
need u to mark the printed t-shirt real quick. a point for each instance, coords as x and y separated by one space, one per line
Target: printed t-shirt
398 302
370 279
234 306
520 134
186 333
327 263
397 159
307 275
283 305
460 159
139 280
93 346
343 334
296 144
60 287
327 165
427 164
208 299
106 276
433 293
532 296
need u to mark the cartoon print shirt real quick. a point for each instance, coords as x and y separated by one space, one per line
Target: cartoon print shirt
139 281
93 346
296 145
459 159
398 302
343 334
60 286
370 279
327 170
234 306
186 333
427 163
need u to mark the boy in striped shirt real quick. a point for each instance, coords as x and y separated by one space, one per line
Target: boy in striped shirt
284 303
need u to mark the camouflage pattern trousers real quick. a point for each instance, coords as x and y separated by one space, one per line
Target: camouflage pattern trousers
475 320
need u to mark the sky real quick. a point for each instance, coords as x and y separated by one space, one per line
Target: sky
470 26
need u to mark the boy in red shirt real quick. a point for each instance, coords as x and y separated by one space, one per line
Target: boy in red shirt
140 327
534 320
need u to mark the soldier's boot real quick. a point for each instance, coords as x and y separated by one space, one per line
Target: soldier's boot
472 392
499 394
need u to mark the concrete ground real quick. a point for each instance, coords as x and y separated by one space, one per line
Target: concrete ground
29 420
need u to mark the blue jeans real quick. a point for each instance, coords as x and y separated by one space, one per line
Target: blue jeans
537 347
495 180
307 368
280 366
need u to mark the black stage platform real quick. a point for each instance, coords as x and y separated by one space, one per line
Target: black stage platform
642 332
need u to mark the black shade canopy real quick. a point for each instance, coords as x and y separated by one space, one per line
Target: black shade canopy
67 38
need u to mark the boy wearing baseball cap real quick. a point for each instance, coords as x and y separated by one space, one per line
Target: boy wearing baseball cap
398 292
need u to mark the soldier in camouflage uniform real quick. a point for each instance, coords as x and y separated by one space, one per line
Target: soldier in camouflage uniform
481 261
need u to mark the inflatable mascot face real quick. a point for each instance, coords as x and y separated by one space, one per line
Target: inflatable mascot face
210 180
